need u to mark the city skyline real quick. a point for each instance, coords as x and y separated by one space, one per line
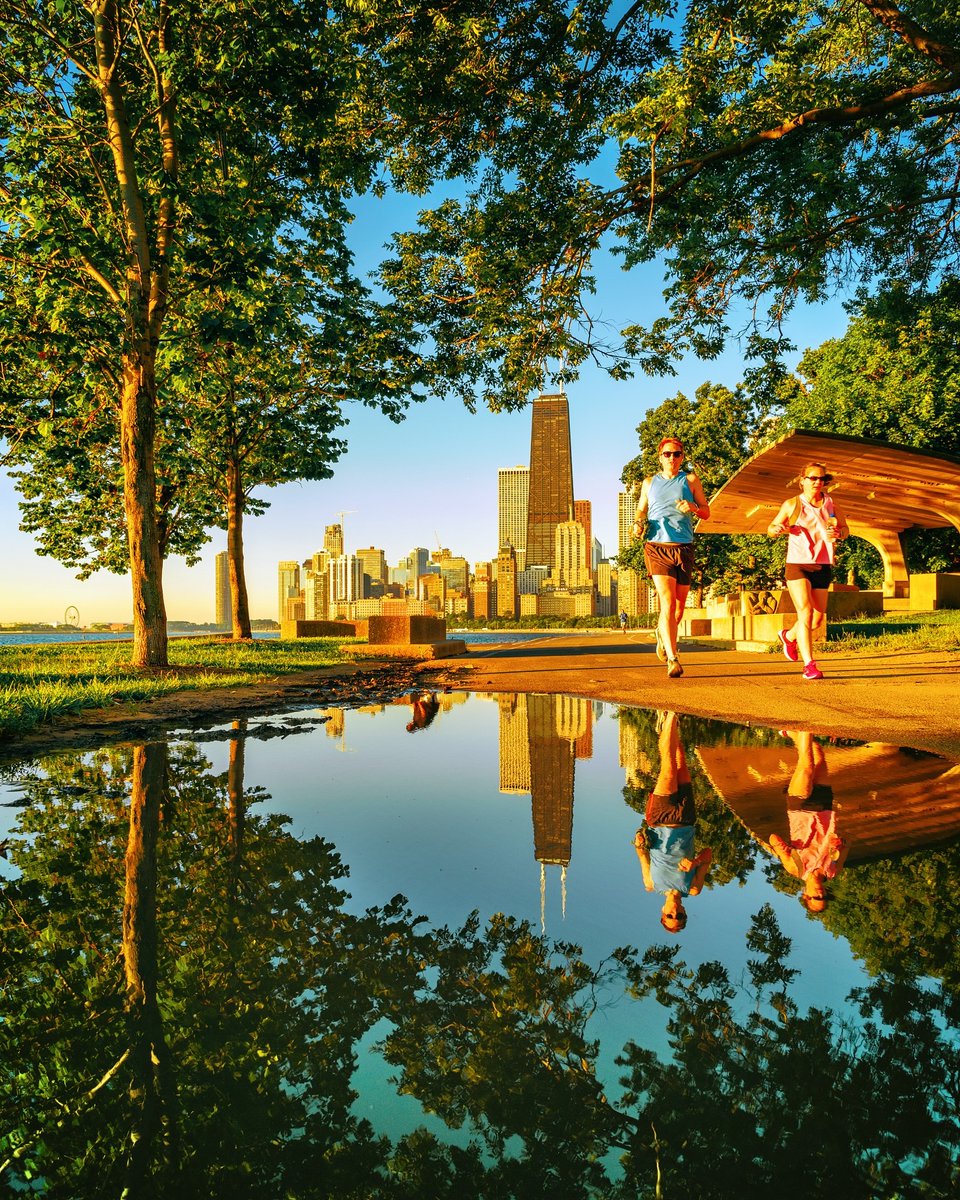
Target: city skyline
432 478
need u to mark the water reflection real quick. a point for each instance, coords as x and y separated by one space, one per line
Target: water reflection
188 989
667 842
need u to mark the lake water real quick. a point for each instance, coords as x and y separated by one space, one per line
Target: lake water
408 950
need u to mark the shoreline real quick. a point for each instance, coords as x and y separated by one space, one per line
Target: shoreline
906 698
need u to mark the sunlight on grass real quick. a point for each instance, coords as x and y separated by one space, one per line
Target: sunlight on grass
38 683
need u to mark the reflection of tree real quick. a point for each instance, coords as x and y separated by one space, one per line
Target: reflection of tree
252 987
734 851
901 914
231 1017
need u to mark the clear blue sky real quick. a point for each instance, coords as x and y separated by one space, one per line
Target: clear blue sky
432 478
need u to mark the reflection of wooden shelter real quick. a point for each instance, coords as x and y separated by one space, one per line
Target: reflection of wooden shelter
886 799
883 490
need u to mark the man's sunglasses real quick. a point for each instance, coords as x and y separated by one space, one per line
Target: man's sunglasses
671 454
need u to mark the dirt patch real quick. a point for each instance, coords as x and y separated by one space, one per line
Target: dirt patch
346 685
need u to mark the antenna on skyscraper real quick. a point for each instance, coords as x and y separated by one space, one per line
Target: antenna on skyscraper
345 512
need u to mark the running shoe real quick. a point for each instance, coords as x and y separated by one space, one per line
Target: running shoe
789 647
812 671
661 653
674 670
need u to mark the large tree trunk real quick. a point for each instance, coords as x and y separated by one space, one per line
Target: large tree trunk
237 806
239 605
137 431
150 1088
145 301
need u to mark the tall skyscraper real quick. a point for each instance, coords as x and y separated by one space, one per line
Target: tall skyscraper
373 562
513 492
223 614
333 540
288 585
551 477
570 556
346 580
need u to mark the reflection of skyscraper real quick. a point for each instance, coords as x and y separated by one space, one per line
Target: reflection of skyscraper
551 477
223 614
513 491
633 759
514 744
551 781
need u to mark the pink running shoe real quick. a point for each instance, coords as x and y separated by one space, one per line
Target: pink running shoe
789 648
812 671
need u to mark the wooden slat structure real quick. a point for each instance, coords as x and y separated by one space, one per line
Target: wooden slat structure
886 799
881 488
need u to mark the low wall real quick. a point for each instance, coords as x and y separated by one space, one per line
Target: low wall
324 629
406 631
932 591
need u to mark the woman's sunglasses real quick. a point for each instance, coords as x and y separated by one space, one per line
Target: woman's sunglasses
819 478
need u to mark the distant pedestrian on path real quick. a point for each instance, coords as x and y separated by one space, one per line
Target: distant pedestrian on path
813 852
665 844
623 622
813 526
667 505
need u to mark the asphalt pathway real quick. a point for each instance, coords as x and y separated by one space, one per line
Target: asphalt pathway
905 698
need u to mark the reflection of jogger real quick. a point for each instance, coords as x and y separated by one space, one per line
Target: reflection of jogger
665 845
814 851
425 708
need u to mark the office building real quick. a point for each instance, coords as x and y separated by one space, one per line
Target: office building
570 568
288 585
583 512
507 595
223 607
513 492
626 511
550 498
333 540
373 563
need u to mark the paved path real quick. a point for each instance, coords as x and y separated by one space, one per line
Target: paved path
905 698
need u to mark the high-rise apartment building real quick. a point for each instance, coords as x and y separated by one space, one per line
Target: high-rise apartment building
417 562
583 512
333 540
508 599
288 585
550 499
626 511
513 492
223 607
570 556
346 583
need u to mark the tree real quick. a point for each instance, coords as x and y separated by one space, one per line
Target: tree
894 375
761 155
151 147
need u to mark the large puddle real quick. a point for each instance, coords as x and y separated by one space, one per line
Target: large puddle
417 950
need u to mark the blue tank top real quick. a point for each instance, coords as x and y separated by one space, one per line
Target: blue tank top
669 844
664 522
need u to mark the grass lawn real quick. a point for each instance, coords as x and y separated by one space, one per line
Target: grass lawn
928 631
40 682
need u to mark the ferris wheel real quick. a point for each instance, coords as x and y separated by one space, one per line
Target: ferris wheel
72 618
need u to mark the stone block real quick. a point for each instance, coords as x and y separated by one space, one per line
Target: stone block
933 591
850 604
406 630
318 629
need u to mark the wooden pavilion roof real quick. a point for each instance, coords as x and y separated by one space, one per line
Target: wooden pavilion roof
877 485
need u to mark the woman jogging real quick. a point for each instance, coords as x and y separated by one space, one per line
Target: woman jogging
814 527
668 503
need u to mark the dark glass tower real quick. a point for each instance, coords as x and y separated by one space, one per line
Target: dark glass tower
551 478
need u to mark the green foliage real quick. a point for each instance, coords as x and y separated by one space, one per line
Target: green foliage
269 987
